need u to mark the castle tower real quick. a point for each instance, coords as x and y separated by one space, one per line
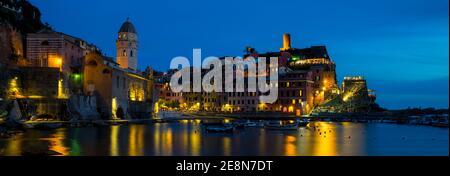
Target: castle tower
127 46
286 42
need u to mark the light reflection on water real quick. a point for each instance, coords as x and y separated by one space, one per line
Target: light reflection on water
187 139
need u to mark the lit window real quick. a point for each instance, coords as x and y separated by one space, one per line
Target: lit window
124 53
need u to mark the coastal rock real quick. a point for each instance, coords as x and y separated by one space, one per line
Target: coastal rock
15 113
83 108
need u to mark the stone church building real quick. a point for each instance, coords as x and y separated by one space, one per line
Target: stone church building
119 84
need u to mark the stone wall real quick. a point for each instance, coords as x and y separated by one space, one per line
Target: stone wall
11 45
40 81
139 110
82 107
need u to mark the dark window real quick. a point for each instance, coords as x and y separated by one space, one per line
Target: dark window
92 63
45 43
106 71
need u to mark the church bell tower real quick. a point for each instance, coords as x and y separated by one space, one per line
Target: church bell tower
127 46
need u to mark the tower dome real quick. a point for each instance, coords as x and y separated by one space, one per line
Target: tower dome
127 26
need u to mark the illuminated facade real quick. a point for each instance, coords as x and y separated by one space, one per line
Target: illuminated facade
307 78
353 97
355 91
115 87
48 48
296 90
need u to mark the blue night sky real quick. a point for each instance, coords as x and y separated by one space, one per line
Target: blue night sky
401 47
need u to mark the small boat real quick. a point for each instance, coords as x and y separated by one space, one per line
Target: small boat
168 115
442 125
220 129
248 123
302 122
327 120
251 124
281 126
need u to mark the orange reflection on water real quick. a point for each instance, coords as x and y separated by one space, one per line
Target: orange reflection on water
136 140
57 143
114 146
262 141
163 140
167 142
14 147
290 148
226 146
195 143
325 144
156 139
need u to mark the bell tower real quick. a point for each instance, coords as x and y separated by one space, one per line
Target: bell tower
127 46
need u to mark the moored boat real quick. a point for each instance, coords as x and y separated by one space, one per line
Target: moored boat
302 122
168 115
247 123
251 124
281 126
443 125
220 129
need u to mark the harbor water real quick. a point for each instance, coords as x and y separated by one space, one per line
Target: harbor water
188 138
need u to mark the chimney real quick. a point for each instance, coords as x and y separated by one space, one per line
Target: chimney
286 42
